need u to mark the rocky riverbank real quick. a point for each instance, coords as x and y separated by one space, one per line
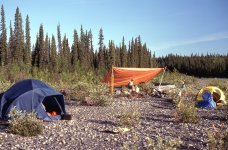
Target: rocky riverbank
89 127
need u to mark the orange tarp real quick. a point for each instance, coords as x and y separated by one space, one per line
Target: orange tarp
121 76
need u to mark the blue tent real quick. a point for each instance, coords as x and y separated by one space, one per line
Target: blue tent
32 95
207 101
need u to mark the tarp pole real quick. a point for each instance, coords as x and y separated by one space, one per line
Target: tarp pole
161 78
112 81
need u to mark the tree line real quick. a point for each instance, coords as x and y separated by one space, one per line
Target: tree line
55 54
210 65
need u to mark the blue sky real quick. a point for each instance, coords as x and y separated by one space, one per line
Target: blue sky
167 26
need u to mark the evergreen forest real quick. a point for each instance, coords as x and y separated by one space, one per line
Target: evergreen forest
52 54
210 65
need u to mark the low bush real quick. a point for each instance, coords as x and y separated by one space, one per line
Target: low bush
129 118
184 100
147 88
93 94
81 90
174 95
187 112
24 124
101 100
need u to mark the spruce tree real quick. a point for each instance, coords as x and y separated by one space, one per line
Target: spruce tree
101 49
35 54
80 47
10 44
41 54
153 61
140 52
111 55
46 52
53 65
123 54
132 54
27 51
74 51
91 51
59 39
117 57
65 57
86 51
17 51
3 39
83 49
145 56
129 55
136 53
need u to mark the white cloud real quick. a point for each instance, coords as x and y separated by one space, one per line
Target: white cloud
207 38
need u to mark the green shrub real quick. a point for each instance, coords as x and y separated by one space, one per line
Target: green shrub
101 100
174 95
92 94
146 88
184 101
24 124
129 118
81 90
187 112
15 72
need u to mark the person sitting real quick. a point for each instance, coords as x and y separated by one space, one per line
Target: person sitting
131 85
136 89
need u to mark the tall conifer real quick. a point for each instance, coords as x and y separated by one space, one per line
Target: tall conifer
10 44
123 54
59 39
65 57
41 53
53 65
90 52
17 53
46 51
3 39
101 49
74 50
27 51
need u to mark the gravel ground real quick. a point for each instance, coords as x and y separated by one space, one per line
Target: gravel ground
89 125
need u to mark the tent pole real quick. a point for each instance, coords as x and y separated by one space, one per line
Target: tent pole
112 82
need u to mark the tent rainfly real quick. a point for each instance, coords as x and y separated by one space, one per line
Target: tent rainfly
32 95
120 76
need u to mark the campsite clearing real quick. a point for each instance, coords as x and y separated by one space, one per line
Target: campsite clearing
87 129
